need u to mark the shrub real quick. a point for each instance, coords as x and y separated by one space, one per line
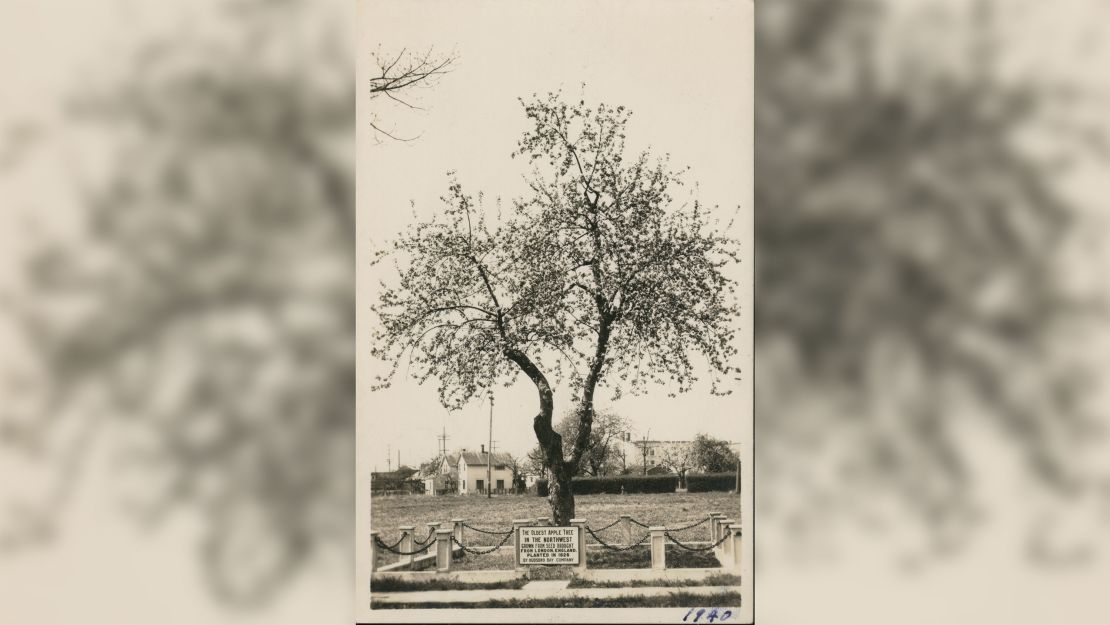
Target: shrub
706 482
540 487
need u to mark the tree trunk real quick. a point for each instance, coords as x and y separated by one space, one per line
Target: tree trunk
560 495
586 415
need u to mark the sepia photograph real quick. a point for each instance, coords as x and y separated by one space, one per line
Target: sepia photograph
554 311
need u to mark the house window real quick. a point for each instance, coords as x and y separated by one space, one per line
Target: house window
481 485
500 484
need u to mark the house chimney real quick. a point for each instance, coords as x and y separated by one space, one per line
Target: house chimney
483 448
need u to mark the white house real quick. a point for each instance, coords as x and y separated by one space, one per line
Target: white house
472 468
444 478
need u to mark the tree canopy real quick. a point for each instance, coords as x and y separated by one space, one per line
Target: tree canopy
711 455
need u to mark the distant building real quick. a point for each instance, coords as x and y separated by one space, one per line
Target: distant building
657 453
464 472
441 483
401 480
473 474
440 478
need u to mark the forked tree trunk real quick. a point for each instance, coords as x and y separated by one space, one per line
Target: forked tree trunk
560 495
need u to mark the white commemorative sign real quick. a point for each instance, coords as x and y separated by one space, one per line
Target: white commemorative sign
547 545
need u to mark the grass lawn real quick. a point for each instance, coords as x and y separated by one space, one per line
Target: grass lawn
718 579
672 600
498 512
402 585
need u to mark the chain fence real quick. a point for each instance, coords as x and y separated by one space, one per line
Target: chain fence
689 527
378 540
614 548
691 548
673 529
482 552
431 533
393 549
484 531
608 526
505 535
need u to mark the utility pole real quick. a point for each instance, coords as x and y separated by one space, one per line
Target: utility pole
489 458
388 457
737 491
443 442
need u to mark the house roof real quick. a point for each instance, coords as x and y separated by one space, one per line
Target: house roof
393 475
474 458
453 474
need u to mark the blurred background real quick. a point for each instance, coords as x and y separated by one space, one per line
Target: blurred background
177 311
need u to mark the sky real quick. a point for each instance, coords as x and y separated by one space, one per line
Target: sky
689 96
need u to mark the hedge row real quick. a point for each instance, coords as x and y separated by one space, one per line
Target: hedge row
707 482
625 483
597 485
615 485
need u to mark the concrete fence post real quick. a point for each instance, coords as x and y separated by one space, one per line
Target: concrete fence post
374 551
517 524
433 527
719 526
626 527
406 543
658 548
443 550
582 556
457 524
727 545
735 539
713 535
542 521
